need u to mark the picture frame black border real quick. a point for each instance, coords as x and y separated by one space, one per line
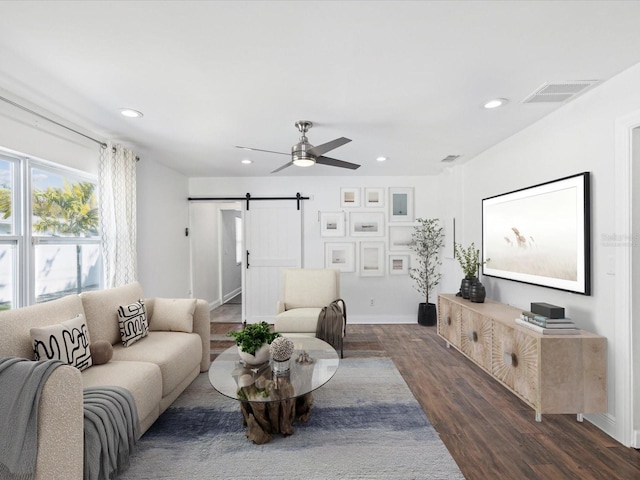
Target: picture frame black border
585 288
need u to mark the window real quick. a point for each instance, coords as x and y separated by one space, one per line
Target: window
9 232
57 210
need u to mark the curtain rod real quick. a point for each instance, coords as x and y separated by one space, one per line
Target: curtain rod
102 144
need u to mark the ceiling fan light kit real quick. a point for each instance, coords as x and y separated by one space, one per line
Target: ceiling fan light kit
303 154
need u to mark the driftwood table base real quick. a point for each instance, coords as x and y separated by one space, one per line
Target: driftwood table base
263 419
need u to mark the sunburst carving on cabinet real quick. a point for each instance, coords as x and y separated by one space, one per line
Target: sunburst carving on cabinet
514 361
475 338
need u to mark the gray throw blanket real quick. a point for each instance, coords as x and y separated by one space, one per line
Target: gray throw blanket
332 324
110 431
21 383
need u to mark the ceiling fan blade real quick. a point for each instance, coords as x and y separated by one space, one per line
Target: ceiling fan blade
336 163
282 167
325 147
260 150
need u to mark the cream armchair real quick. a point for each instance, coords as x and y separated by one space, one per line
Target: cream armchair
304 292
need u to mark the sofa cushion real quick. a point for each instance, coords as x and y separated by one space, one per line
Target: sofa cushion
173 314
175 353
142 379
67 341
15 340
101 310
298 320
132 320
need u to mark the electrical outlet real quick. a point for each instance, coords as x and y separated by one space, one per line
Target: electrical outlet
372 302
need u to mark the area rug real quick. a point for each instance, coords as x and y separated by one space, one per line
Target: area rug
365 424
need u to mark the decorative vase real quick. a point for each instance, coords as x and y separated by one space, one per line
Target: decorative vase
477 292
281 367
427 314
465 286
261 356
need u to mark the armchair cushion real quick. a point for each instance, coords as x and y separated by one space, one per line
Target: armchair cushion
298 320
310 287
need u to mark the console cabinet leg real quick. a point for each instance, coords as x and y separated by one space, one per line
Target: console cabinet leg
580 417
538 417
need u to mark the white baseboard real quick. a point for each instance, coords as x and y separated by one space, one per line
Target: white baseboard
359 319
636 440
232 294
604 421
215 304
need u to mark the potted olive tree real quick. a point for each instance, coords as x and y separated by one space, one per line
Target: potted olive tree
428 240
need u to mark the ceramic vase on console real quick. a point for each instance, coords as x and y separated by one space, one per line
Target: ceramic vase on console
477 292
465 286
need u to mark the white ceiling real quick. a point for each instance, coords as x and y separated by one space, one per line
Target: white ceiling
406 80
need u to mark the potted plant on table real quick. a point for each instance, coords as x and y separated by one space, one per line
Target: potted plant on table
469 259
428 240
253 342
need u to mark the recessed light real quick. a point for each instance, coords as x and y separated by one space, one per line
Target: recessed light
496 102
246 161
128 112
381 159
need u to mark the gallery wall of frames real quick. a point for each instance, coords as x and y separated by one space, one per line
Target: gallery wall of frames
370 232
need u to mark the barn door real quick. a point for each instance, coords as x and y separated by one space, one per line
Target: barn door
273 241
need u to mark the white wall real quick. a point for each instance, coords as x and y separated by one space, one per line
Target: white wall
163 215
394 296
231 278
578 137
26 134
636 277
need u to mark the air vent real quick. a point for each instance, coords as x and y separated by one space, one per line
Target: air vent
558 92
450 158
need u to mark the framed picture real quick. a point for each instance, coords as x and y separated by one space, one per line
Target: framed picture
332 224
398 264
540 235
401 204
400 238
371 259
374 197
340 256
367 224
349 197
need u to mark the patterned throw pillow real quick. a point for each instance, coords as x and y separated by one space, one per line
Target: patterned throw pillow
133 322
67 341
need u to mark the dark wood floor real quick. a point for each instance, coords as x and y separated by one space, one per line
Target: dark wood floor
490 433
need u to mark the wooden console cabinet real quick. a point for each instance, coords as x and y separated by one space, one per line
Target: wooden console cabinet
551 373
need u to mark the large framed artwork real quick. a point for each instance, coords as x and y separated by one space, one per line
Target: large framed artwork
340 256
540 235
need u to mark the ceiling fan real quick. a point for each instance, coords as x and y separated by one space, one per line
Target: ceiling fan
303 154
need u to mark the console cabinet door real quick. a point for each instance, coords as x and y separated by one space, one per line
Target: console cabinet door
514 361
449 316
475 338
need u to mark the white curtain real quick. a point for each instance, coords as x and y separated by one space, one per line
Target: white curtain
117 195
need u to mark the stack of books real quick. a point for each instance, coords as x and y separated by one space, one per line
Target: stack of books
554 323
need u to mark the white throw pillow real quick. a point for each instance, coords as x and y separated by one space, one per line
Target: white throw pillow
67 341
133 323
173 314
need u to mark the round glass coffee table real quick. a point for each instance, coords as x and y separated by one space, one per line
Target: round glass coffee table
270 402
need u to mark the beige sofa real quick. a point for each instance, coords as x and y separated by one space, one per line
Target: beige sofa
155 369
